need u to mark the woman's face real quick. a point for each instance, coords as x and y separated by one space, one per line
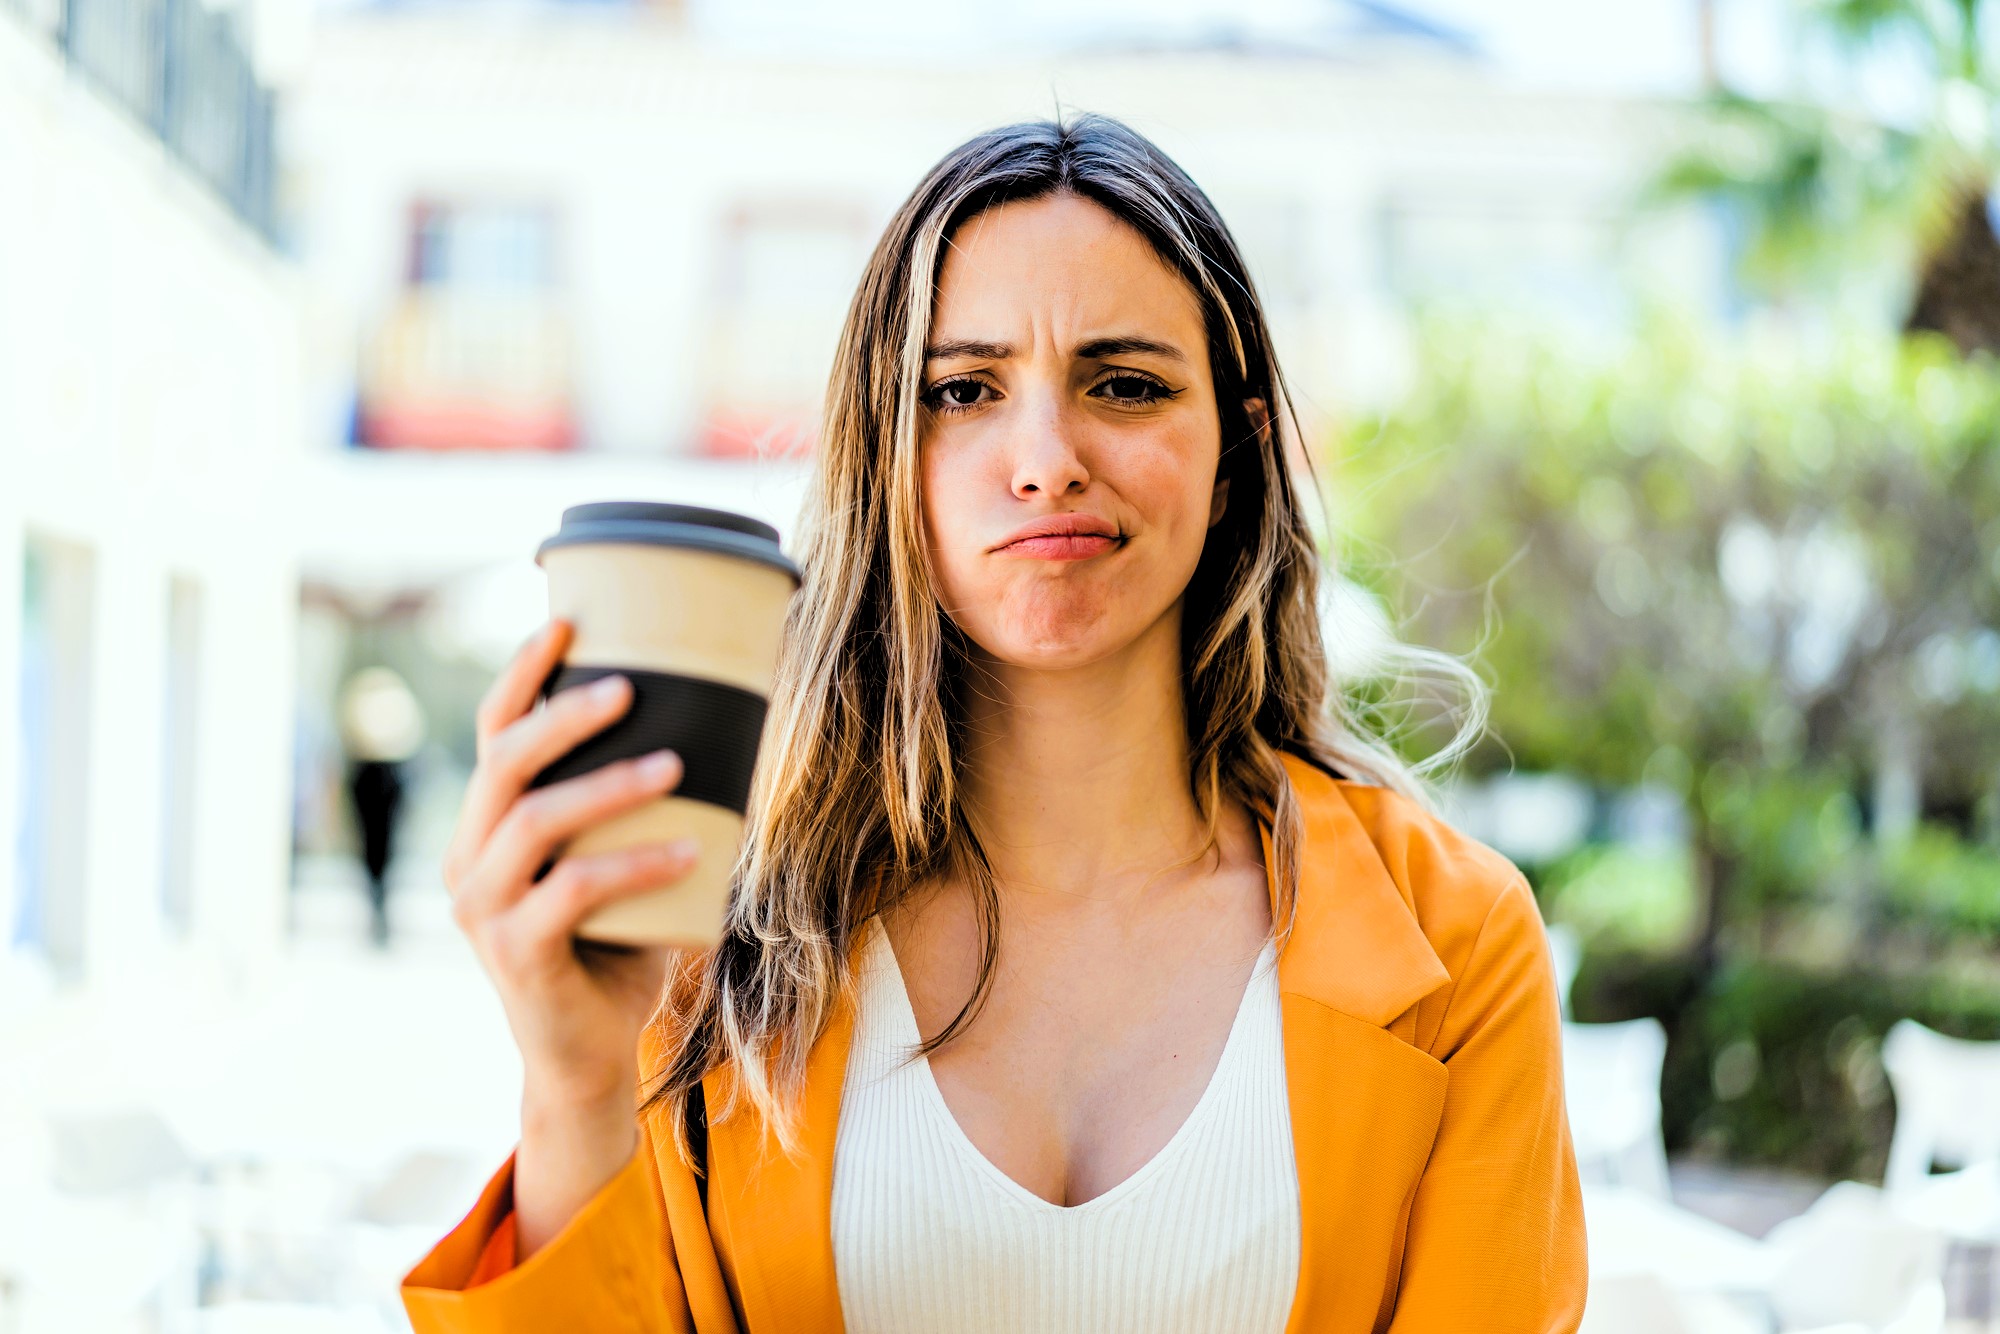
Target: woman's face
1070 434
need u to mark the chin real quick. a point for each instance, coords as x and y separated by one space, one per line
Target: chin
1053 634
1054 655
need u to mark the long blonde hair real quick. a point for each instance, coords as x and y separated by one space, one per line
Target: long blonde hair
857 798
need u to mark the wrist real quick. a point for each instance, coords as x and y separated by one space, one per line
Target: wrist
568 1151
591 1096
587 1135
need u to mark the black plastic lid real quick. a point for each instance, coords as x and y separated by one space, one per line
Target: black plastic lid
650 523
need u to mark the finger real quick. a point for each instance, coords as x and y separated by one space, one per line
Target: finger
534 826
524 748
580 886
514 691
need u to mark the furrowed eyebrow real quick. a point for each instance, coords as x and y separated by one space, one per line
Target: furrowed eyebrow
968 347
1099 349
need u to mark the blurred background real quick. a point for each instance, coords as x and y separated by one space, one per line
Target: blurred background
1646 355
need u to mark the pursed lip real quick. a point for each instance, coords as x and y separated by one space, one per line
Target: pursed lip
1062 536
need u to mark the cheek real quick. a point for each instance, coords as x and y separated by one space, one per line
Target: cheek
949 495
1170 484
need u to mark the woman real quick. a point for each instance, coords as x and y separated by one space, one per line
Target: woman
1089 968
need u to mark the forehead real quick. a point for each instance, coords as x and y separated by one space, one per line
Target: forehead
1063 264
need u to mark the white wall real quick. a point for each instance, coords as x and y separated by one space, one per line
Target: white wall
149 416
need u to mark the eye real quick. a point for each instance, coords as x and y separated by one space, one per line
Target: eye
956 395
1131 389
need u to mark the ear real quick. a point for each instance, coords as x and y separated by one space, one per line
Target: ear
1259 413
1260 421
1218 499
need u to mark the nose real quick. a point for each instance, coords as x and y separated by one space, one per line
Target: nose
1047 460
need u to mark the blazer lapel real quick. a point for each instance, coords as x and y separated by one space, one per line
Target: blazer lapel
1365 1104
770 1212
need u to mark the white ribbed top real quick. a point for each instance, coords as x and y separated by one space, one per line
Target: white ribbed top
928 1235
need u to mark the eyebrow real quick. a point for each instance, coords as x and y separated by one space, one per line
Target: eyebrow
968 347
1097 349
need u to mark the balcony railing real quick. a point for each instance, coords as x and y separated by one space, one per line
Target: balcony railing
180 70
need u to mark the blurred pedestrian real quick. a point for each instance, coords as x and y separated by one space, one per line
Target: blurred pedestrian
381 727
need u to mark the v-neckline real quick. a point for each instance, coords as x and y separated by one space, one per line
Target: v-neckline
907 1035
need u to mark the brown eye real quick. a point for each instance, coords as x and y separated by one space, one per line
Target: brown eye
1132 390
955 395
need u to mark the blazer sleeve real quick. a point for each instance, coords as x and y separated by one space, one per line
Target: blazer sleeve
611 1270
1495 1240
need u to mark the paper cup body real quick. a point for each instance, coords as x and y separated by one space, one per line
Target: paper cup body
692 614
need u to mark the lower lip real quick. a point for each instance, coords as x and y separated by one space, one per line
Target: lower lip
1067 546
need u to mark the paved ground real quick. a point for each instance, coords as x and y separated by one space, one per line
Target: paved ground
325 1126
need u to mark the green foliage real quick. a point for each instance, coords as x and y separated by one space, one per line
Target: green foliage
1823 189
1707 564
1789 835
1817 192
1771 1063
1745 577
1936 879
1623 898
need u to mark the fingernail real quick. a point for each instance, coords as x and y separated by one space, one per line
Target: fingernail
659 766
684 850
607 689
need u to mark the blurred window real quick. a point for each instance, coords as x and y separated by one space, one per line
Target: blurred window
482 246
1275 234
54 718
1537 252
180 745
786 273
475 353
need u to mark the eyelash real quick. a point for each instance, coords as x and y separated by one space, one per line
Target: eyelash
1157 392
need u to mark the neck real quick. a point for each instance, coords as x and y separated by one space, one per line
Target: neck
1076 780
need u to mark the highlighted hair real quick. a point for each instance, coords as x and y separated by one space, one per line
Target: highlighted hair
857 798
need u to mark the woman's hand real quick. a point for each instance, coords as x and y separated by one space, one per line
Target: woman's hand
576 1009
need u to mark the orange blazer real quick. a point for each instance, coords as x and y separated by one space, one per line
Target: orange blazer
1437 1181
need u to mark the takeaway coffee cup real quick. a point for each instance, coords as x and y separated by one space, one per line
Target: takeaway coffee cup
688 604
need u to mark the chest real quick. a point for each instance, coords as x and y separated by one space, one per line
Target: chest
931 1232
1094 1040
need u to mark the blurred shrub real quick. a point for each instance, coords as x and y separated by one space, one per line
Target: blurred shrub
1945 886
1621 897
1772 1063
1768 582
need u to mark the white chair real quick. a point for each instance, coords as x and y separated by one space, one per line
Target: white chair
1643 1303
1964 1205
1851 1260
1947 1103
1611 1085
1566 952
1633 1304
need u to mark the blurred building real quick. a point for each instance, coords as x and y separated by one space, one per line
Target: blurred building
560 233
149 389
293 389
557 252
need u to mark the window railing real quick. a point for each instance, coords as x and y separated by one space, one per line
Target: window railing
180 70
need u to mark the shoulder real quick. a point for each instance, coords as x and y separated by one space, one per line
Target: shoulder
1416 881
1453 883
